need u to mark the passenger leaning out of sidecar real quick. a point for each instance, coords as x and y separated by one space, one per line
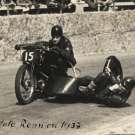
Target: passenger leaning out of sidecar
109 85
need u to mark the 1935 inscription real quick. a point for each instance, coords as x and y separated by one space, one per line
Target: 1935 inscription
24 123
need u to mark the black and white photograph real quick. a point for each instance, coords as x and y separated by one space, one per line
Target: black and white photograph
67 67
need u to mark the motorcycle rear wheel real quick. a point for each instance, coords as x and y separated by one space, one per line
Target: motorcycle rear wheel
24 85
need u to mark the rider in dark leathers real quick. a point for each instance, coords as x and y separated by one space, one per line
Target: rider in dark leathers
63 57
63 47
109 76
110 81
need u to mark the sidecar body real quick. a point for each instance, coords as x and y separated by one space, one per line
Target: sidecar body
64 85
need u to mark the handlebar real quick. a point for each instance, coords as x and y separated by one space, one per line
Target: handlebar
31 46
35 46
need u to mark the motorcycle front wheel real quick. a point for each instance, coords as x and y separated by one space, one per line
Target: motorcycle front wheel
24 85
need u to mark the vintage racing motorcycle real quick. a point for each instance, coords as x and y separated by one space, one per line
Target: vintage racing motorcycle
33 76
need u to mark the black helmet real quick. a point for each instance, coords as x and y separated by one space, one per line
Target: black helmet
128 82
115 66
57 31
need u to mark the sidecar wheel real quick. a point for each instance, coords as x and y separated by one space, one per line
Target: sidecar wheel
116 101
24 86
121 100
113 100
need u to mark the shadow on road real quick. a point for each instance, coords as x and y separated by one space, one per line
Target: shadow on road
70 100
114 106
85 100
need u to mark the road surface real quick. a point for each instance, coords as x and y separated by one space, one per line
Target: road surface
58 117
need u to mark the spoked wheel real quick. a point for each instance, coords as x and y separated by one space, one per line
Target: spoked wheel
24 85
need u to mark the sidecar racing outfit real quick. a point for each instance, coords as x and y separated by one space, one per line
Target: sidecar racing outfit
109 85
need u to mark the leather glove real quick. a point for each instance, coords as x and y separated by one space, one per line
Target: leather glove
56 49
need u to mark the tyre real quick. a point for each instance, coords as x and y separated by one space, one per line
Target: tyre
122 98
116 101
24 85
112 99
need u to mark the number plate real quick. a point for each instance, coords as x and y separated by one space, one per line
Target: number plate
28 56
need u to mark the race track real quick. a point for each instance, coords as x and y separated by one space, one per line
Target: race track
89 118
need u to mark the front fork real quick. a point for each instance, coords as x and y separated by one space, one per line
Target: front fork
31 69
